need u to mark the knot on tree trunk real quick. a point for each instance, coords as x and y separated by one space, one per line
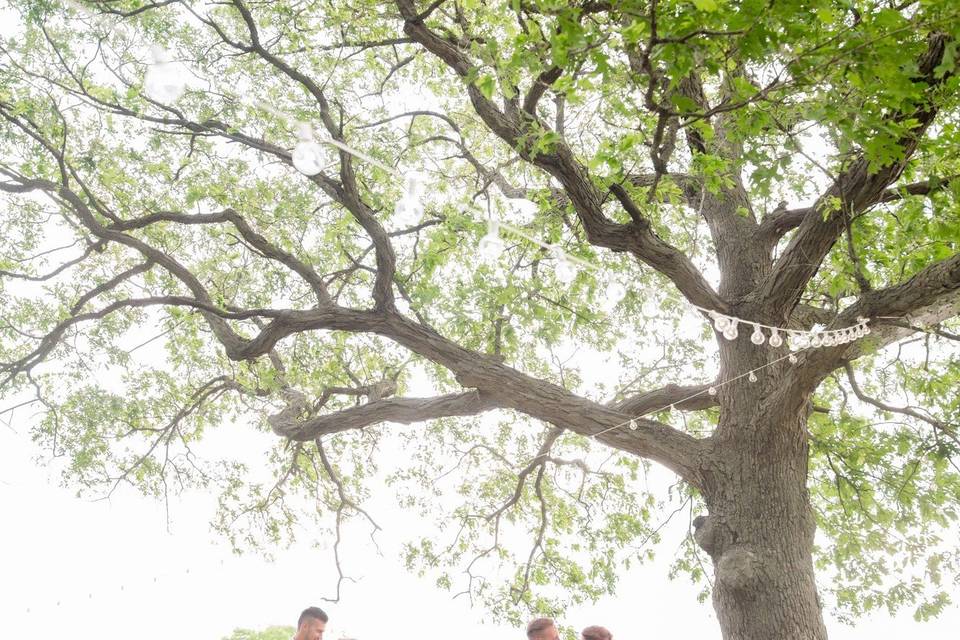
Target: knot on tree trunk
286 422
739 568
704 534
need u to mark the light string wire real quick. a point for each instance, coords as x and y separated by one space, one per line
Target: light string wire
712 390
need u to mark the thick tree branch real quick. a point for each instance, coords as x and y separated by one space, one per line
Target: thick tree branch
685 398
776 226
856 189
256 240
400 410
495 382
350 194
928 298
560 162
540 86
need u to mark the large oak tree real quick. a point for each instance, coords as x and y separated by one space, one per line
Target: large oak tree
794 163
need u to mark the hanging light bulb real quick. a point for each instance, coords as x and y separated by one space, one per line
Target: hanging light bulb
792 358
633 424
731 333
800 340
816 341
565 270
413 186
163 81
307 155
613 294
712 391
721 322
648 309
409 209
407 212
757 336
491 246
828 339
752 377
775 339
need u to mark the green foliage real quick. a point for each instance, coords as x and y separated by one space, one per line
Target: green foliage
270 633
805 86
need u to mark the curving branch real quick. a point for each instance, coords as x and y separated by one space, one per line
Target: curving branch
495 382
671 396
345 502
517 130
939 425
399 410
349 193
928 298
265 248
857 189
537 462
91 247
776 226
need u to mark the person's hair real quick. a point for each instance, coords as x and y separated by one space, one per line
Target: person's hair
538 625
312 612
595 632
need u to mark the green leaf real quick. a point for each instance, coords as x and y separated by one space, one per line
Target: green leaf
487 85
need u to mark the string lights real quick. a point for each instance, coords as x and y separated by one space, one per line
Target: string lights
164 83
751 377
307 155
796 339
728 326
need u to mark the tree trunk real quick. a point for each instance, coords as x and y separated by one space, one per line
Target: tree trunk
760 527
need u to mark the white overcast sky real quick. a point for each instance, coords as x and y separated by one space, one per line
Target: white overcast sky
111 571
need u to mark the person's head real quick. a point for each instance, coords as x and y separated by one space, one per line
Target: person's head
311 624
595 632
542 629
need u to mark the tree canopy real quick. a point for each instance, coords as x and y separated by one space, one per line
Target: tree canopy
166 269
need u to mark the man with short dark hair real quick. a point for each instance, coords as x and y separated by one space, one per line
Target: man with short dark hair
596 632
542 629
311 624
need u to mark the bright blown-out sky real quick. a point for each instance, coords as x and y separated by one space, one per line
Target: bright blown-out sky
111 570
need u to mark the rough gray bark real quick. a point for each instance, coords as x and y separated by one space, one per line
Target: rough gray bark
759 532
